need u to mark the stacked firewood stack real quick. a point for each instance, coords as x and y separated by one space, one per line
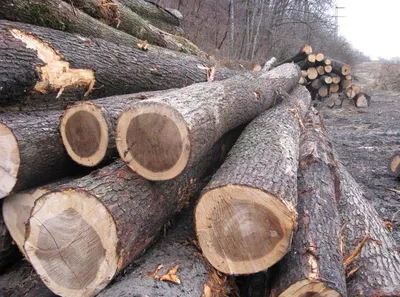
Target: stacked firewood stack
328 79
105 137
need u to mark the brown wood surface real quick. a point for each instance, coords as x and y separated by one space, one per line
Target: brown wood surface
254 191
394 165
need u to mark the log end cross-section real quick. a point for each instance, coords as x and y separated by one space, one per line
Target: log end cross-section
153 139
71 241
241 244
9 160
55 74
309 288
84 132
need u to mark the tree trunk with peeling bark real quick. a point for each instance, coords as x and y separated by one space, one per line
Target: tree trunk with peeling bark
314 264
130 211
194 277
32 151
255 191
176 129
94 67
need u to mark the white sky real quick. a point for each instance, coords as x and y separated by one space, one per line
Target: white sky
372 26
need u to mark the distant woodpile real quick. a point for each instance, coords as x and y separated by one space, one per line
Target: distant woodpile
104 137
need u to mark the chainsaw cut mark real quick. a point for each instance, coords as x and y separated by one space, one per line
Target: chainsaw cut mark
56 74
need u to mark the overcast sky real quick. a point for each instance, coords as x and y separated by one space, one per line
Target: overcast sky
372 26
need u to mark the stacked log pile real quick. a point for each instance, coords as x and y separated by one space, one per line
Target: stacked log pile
328 79
112 127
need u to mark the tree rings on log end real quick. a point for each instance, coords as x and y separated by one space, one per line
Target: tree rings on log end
153 139
9 160
71 241
16 211
84 132
309 288
242 230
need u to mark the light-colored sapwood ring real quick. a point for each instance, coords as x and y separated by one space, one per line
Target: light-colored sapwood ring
9 160
84 133
242 230
153 140
308 287
71 241
16 211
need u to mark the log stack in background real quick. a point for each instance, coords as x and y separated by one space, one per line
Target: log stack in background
325 77
79 228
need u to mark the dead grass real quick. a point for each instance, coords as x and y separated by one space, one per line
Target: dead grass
388 77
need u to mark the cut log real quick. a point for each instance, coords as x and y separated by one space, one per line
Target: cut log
121 17
312 73
326 79
300 56
94 66
304 73
316 83
307 62
346 83
88 128
21 280
335 78
348 77
314 265
333 88
303 81
177 129
321 70
32 152
81 235
328 69
340 68
327 61
8 251
349 93
323 91
246 215
361 100
155 15
378 262
196 276
356 89
394 165
269 64
320 57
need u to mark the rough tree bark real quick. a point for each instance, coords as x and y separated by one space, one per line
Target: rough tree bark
40 61
314 264
196 276
246 215
32 151
115 212
340 68
176 129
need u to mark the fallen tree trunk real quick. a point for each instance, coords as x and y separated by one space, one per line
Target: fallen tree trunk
32 151
376 269
89 66
121 17
178 128
88 248
21 280
155 15
314 265
340 68
194 277
394 165
8 251
300 56
246 215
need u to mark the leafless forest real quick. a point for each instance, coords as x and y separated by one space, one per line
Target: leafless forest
254 30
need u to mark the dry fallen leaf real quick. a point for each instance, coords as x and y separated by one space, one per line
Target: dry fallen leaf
170 276
143 45
388 225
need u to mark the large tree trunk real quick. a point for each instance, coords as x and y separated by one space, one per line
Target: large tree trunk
21 280
178 128
314 264
195 276
155 15
246 215
115 213
121 17
378 263
8 251
32 152
40 61
88 127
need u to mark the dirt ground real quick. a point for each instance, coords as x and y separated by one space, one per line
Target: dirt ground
366 139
